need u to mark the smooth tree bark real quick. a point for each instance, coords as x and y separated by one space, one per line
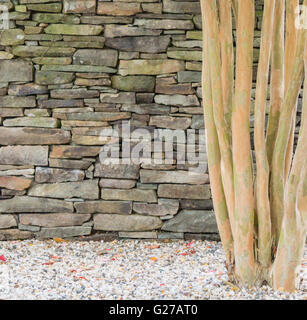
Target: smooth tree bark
260 204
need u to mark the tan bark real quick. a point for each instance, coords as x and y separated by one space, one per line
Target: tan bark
282 138
294 225
262 185
211 23
214 163
227 57
291 38
277 77
242 164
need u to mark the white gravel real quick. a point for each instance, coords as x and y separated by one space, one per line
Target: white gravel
122 270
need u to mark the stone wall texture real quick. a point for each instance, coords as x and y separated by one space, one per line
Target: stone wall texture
70 68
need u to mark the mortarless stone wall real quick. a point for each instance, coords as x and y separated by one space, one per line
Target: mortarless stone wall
68 70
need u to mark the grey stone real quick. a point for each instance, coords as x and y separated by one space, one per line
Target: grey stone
182 191
7 221
22 155
87 189
139 235
134 83
16 70
33 136
21 204
15 234
177 100
192 221
64 232
118 171
57 175
163 208
109 222
113 30
95 57
115 207
146 44
54 219
130 195
152 176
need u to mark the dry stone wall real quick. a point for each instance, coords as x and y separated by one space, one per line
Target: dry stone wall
70 69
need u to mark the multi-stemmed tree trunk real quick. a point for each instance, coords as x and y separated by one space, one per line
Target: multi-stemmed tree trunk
261 209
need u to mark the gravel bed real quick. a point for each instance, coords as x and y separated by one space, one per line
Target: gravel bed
127 269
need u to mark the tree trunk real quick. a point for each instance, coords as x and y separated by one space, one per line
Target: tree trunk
261 212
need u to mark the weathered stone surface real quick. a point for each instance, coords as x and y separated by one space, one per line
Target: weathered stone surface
104 57
169 86
150 67
21 155
74 94
141 44
64 232
15 234
177 100
15 183
50 60
181 7
152 176
54 103
196 204
117 171
146 109
167 24
117 184
55 18
118 9
10 112
122 97
113 30
70 164
16 70
109 222
134 83
170 122
17 102
82 30
26 89
79 68
79 6
198 122
7 221
12 37
46 7
185 55
163 208
130 195
54 219
53 77
36 51
74 152
192 221
34 205
181 191
40 122
189 76
33 136
87 189
57 175
116 207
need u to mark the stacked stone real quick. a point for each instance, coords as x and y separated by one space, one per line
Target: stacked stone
72 68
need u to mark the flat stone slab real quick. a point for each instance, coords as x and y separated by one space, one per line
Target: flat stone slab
16 70
64 232
22 155
33 136
109 222
53 219
198 221
87 189
25 204
116 207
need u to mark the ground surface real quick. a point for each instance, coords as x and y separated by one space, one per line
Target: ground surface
122 270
